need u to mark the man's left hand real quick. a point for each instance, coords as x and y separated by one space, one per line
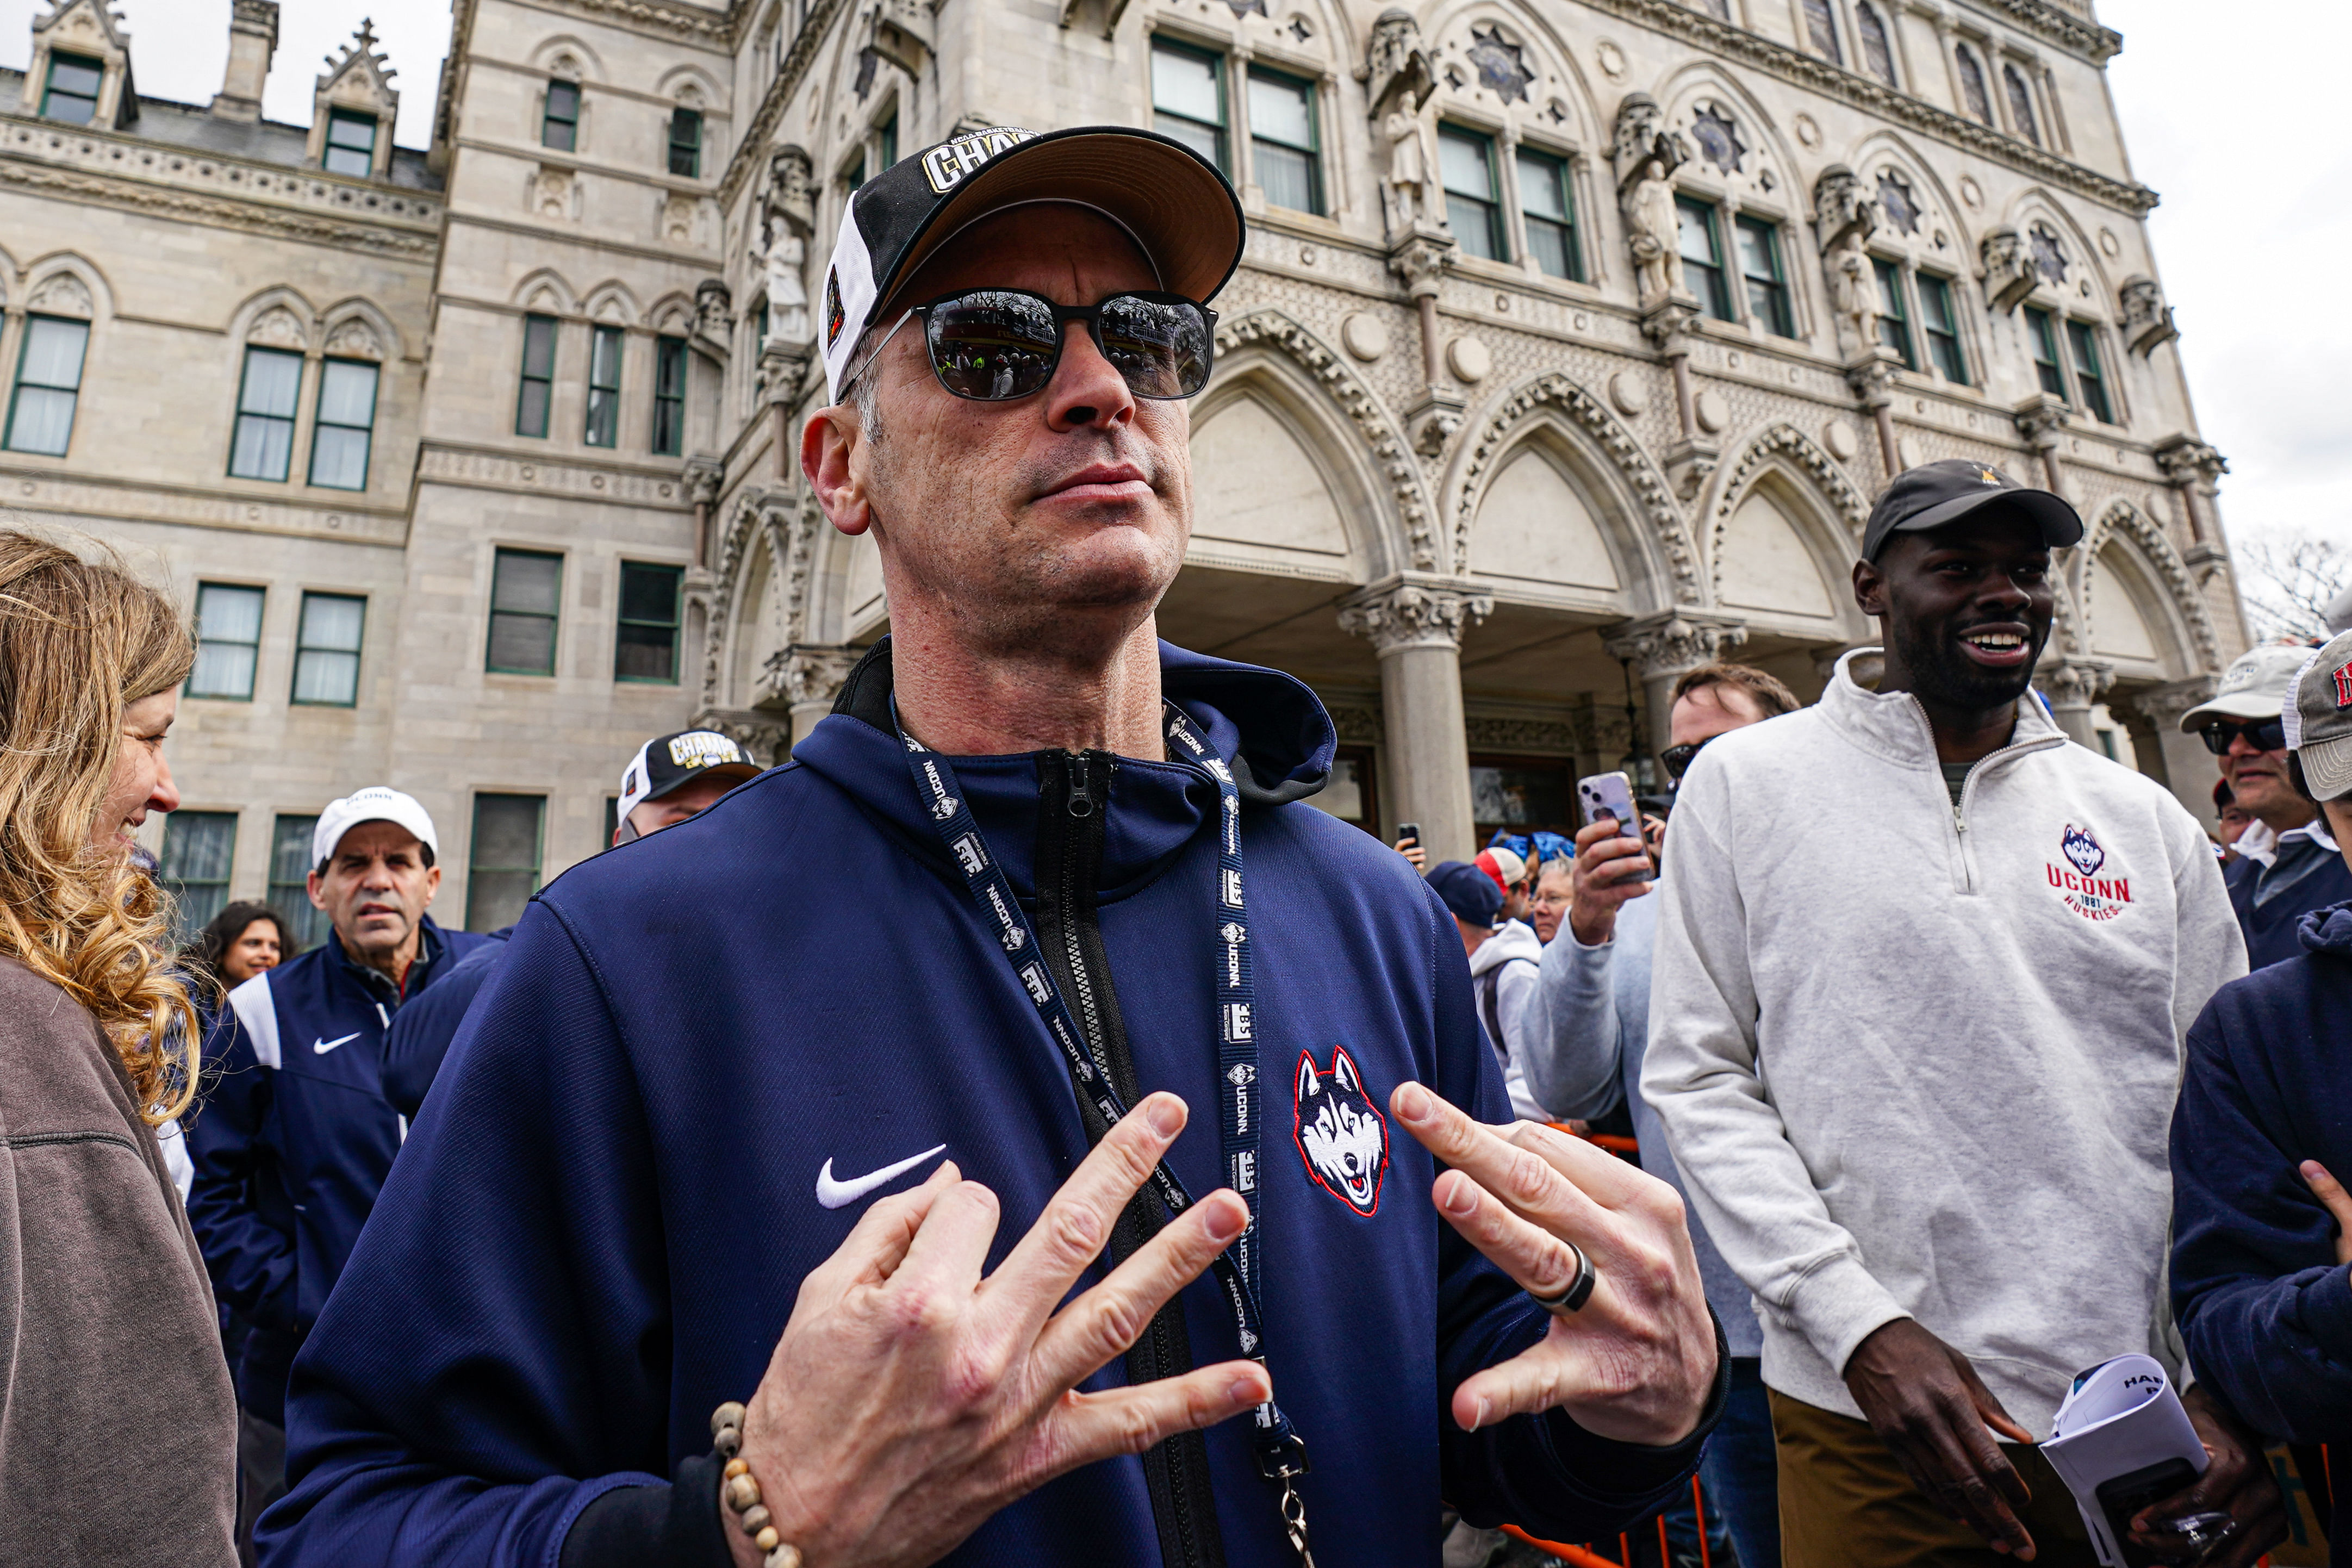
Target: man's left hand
1637 1362
2237 1481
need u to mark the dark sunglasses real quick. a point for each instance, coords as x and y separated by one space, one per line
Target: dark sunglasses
991 345
1678 759
2261 734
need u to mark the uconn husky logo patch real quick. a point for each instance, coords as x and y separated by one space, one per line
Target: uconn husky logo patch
1341 1134
2079 882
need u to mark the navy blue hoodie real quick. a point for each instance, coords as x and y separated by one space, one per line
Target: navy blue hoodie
599 1225
2263 1305
422 1032
295 1138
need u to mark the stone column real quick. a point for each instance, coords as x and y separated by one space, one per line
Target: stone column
1415 622
2073 685
1663 648
2188 768
2195 470
2040 418
808 676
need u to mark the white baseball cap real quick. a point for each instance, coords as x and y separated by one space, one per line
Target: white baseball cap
2256 686
377 803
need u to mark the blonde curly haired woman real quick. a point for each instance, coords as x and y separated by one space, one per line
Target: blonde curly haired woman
118 1427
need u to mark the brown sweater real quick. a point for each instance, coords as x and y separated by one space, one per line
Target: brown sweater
118 1426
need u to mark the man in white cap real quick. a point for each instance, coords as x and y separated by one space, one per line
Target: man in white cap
296 1137
2288 863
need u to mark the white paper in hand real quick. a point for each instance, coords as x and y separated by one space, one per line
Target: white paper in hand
2120 1416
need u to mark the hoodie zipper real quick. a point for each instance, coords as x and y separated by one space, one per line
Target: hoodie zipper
1074 794
1963 854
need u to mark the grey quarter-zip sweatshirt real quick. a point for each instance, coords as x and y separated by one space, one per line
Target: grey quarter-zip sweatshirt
1919 1060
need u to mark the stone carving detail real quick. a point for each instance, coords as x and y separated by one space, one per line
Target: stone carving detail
1364 726
1895 200
1421 612
1673 642
2074 682
1502 65
2162 705
278 328
1718 135
769 742
62 294
354 339
808 672
1409 193
1786 444
2187 460
2049 256
714 312
2147 320
1584 410
2008 275
899 31
1490 733
1396 68
1846 219
2122 517
751 525
678 219
554 193
1647 155
1387 443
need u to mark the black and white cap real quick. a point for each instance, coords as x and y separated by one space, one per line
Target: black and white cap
1180 209
667 761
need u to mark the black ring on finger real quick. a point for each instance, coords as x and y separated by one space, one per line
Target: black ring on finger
1579 1292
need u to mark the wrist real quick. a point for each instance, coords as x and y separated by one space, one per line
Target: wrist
1593 930
755 1537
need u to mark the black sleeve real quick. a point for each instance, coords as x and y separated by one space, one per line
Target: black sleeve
676 1526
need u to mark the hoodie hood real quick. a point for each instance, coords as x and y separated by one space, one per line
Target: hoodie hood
1516 938
1893 725
2327 930
1268 727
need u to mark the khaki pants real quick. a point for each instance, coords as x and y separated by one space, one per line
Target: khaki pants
1845 1503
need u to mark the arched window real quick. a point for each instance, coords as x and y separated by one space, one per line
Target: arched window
1973 85
1876 54
2021 105
1720 9
1822 28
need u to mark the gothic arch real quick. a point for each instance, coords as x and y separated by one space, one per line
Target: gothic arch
2084 264
1678 93
1560 75
66 283
1826 508
546 291
277 318
1413 529
672 313
566 55
1639 489
752 542
1882 148
1302 406
679 80
610 304
358 329
2166 571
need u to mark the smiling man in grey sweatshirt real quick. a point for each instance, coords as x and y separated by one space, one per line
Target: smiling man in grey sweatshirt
1921 976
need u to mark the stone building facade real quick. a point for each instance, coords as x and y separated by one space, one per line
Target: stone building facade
1570 343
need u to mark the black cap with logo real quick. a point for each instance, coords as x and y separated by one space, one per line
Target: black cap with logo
1934 494
1180 211
666 762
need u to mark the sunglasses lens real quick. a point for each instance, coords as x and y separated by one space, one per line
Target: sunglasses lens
993 343
2263 735
1162 346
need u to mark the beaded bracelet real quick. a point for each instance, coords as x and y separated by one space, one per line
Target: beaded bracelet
741 1490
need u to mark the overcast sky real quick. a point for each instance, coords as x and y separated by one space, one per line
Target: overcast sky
2225 118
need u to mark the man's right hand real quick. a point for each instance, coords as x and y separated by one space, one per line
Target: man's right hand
1931 1410
1610 869
909 1398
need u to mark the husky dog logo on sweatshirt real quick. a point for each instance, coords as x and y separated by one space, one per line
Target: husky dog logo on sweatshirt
2079 884
1341 1135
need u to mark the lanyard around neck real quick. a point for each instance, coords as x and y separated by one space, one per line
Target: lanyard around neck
1280 1452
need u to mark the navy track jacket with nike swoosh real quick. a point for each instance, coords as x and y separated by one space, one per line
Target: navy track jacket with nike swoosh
599 1224
294 1139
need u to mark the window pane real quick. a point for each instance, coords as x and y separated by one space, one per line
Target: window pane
539 346
604 387
1894 320
522 644
604 358
224 614
1282 109
332 621
327 677
669 397
1755 258
530 409
347 392
2021 105
53 353
345 130
290 866
1185 83
1972 86
1543 186
503 871
1531 796
646 653
1202 139
263 448
198 849
72 95
685 142
560 130
273 381
527 582
338 458
1287 177
1464 162
1874 51
649 593
223 669
43 422
2087 375
1943 328
1822 28
1695 232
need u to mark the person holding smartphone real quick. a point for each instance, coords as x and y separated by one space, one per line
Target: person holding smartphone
1916 1054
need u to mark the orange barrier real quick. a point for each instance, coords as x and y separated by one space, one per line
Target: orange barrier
1609 1141
1585 1557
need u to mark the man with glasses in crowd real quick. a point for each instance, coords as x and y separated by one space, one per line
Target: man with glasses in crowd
2288 862
994 896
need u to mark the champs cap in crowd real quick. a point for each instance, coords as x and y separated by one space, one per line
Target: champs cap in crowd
2256 686
667 761
1468 891
1179 209
377 803
1934 494
2319 720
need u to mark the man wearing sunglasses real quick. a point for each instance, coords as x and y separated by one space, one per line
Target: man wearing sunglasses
2287 861
892 1146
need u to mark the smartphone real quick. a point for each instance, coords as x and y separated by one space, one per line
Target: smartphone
1611 795
2127 1494
1408 832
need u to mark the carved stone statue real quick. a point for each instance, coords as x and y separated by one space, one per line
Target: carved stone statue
791 189
2147 320
2008 275
1841 209
788 314
1396 68
713 309
1846 218
1647 155
1409 187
